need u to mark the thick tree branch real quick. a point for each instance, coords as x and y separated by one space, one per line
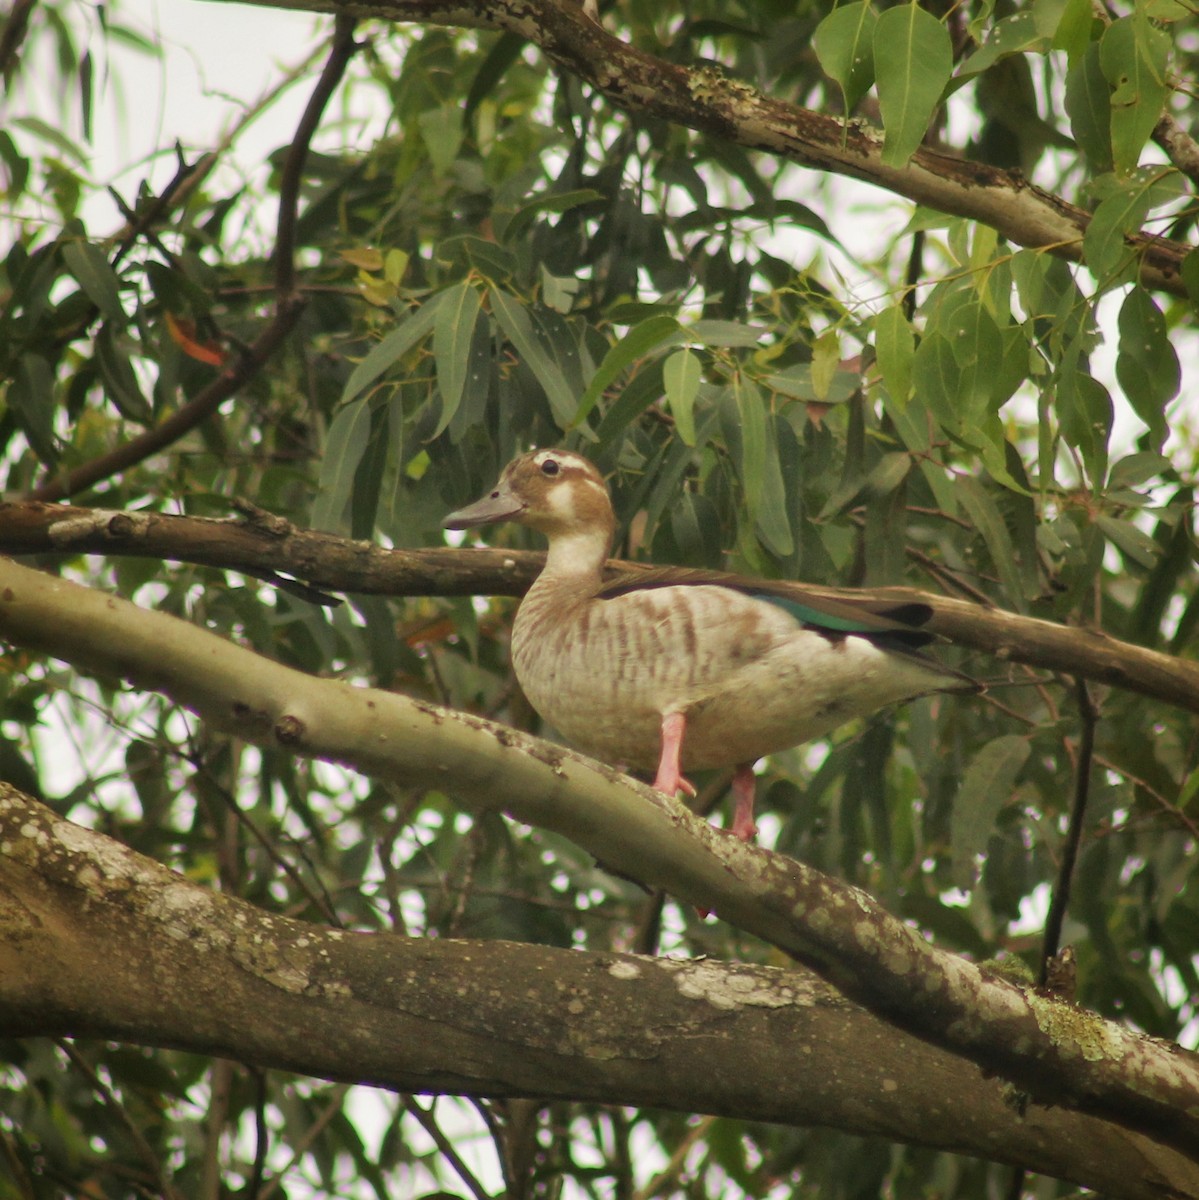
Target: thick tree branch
264 546
96 940
1057 1053
699 99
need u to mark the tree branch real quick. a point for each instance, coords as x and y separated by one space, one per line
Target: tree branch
98 941
265 545
637 82
1056 1052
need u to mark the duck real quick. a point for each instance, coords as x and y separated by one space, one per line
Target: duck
673 671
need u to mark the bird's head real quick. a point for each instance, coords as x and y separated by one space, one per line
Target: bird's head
556 492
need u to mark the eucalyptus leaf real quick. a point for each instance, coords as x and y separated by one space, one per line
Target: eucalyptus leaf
87 263
346 443
514 321
387 352
681 375
1134 56
913 61
453 335
844 45
986 787
634 345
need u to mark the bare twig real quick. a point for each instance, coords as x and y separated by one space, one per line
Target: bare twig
292 174
429 1124
1089 716
144 1149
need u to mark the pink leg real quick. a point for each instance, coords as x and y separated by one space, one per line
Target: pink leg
670 778
744 825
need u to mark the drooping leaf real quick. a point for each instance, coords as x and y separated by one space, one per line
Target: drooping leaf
87 263
453 335
844 45
386 353
986 787
1088 105
988 521
120 381
1147 364
913 60
681 375
1132 542
1121 214
1134 55
1084 409
638 342
30 397
345 445
751 416
895 350
514 321
723 333
555 202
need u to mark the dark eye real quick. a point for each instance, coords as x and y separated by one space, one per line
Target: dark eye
550 467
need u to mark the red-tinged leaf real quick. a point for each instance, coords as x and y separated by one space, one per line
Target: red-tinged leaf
183 334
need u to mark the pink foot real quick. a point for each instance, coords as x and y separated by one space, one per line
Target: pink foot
670 778
744 825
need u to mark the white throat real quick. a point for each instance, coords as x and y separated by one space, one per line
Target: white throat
577 554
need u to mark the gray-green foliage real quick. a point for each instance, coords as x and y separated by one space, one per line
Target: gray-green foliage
516 262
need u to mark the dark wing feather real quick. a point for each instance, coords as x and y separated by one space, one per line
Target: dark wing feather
890 623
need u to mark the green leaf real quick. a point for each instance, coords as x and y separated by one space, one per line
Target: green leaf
913 60
681 375
558 202
642 391
1132 542
981 508
1122 214
1190 277
1016 34
476 390
985 789
1136 469
844 45
1069 26
386 353
30 398
55 137
635 344
1147 364
453 334
1088 105
514 321
751 416
1134 56
120 381
773 526
895 350
1084 410
345 445
488 258
99 281
915 428
724 333
797 383
441 131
